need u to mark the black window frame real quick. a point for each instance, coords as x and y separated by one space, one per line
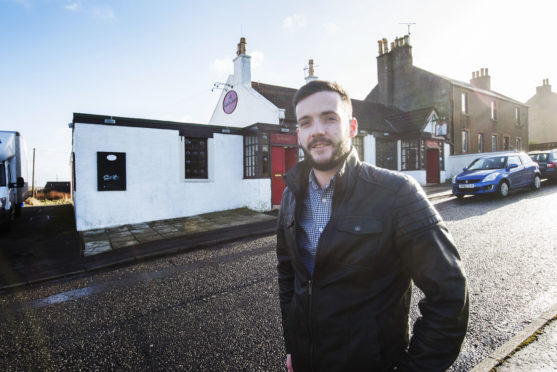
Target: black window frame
410 154
257 156
196 162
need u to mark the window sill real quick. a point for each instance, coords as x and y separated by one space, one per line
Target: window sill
198 180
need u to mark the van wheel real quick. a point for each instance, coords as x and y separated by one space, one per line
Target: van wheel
503 189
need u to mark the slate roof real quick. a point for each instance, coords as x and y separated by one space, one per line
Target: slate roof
410 121
370 115
461 84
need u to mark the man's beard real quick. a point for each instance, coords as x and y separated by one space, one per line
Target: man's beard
340 152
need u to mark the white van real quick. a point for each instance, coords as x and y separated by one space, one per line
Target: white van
13 175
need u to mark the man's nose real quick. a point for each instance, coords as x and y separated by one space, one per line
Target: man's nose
318 128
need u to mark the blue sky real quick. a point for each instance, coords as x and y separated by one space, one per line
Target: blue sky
159 59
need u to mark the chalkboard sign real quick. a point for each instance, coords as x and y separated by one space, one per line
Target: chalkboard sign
111 171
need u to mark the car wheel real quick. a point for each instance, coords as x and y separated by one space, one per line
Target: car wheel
503 189
537 182
459 196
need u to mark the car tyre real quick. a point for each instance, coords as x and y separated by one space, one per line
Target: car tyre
459 196
537 182
503 189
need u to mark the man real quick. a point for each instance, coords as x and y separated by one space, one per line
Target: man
351 237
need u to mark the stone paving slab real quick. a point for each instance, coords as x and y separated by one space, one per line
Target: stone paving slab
118 237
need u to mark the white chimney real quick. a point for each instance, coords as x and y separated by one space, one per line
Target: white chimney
242 64
311 72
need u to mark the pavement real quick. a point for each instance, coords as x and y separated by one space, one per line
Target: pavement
53 249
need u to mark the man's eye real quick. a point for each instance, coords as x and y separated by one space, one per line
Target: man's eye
303 124
331 118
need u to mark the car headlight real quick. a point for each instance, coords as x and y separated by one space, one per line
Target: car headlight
490 177
454 179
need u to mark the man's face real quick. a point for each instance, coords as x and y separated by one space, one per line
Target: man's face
324 129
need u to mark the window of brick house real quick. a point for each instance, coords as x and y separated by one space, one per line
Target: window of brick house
506 143
493 110
493 142
480 142
464 102
410 157
465 141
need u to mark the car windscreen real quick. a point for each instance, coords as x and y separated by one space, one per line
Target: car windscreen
497 162
2 175
539 157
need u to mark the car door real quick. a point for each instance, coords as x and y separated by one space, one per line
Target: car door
516 175
529 169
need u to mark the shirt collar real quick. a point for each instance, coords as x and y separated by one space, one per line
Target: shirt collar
315 185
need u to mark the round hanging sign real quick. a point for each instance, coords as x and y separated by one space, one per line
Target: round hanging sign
230 102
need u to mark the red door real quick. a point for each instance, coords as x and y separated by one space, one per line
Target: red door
432 166
282 160
278 168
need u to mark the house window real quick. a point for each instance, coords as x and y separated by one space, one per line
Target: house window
493 110
410 159
494 143
518 144
385 154
480 142
358 143
517 115
464 102
506 143
256 156
196 158
464 141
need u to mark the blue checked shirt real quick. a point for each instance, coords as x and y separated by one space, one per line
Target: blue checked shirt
315 216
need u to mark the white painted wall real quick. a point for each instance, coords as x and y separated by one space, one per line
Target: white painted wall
155 184
369 149
457 162
418 175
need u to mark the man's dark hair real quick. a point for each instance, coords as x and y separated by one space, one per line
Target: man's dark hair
316 86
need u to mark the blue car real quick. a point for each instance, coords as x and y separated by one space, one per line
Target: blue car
497 175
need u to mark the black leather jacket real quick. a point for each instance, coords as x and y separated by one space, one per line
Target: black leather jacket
353 314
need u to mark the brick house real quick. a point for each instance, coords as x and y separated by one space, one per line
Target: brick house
477 118
542 126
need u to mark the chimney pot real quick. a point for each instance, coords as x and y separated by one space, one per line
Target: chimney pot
380 42
385 45
486 73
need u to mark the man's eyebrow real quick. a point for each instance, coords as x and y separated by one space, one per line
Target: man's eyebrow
328 112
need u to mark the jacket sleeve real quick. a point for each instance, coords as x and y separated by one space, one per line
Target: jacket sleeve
285 273
430 256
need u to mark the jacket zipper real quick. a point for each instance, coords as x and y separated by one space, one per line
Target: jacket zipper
309 322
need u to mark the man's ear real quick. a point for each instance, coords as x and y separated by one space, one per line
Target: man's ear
353 127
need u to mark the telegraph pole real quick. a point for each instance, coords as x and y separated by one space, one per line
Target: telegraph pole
33 182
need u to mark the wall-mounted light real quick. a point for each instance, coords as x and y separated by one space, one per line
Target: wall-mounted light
225 130
109 121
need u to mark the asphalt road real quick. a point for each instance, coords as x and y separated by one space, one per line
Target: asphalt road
217 309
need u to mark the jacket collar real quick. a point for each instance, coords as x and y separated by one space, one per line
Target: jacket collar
297 178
